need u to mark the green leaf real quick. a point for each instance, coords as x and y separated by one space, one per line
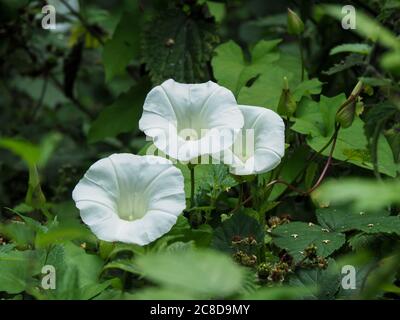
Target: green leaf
20 233
217 10
322 284
317 120
294 237
123 264
77 273
360 48
124 45
349 61
360 193
178 46
306 88
32 154
29 152
239 225
207 176
233 71
266 90
203 273
63 232
341 220
17 269
121 116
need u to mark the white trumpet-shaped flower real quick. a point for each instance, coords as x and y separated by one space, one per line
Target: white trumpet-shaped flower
130 198
261 144
190 120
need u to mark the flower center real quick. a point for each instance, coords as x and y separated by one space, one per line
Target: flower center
191 128
132 207
244 145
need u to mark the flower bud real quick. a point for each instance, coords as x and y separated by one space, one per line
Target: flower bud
294 24
287 106
34 197
346 113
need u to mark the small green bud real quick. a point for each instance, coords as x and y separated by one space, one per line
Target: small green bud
346 113
294 24
34 197
286 106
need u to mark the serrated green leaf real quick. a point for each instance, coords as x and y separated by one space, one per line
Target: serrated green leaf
342 219
294 237
239 225
322 284
178 46
17 269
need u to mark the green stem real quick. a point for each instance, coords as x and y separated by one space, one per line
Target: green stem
302 57
191 168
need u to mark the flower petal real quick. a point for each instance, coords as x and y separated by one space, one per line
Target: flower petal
117 195
265 136
189 120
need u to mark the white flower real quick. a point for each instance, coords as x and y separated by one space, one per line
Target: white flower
190 120
261 145
130 198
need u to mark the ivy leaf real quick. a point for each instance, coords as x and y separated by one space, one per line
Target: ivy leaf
239 225
124 44
179 46
322 284
294 237
233 71
202 273
121 116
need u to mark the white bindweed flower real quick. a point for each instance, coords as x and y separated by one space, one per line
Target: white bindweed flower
261 144
190 120
130 198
